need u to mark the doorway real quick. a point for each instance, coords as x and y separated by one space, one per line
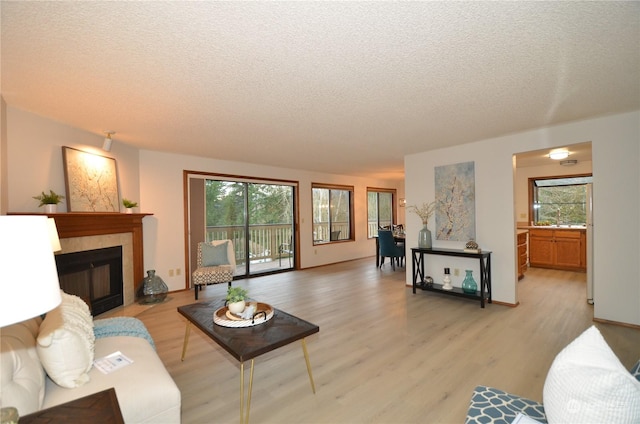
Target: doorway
256 215
537 164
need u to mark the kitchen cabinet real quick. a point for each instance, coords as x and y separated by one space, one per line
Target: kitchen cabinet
558 248
522 253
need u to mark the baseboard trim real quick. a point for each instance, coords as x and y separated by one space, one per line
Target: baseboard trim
621 324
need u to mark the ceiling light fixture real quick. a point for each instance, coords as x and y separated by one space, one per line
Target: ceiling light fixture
106 145
559 154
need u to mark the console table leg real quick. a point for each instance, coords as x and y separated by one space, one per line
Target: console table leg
186 340
306 358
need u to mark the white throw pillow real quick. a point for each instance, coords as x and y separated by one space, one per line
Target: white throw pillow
588 384
66 342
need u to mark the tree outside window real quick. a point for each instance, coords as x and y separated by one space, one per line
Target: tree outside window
559 201
379 210
332 213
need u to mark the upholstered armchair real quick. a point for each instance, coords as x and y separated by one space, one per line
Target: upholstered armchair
216 263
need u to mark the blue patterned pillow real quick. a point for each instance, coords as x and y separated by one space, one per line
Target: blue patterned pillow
215 255
635 371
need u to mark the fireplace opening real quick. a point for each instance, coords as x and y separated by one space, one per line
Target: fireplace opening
93 275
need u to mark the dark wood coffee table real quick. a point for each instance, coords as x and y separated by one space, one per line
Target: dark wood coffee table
246 343
101 407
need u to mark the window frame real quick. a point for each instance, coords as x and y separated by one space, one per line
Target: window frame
379 190
532 188
351 226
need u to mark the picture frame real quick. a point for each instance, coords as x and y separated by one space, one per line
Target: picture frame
91 181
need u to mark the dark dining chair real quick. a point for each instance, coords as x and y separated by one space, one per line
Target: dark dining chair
389 249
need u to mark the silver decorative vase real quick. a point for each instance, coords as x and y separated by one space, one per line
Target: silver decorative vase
424 238
153 289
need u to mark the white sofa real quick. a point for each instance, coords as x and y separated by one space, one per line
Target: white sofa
145 390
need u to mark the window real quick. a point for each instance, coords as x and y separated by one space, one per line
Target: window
379 209
332 213
559 200
257 215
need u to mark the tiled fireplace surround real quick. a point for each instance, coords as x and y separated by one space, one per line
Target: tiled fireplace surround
79 231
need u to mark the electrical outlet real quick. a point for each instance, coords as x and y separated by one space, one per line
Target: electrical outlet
315 251
170 273
178 271
456 272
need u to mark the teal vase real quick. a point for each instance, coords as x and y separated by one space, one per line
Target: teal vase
469 284
424 238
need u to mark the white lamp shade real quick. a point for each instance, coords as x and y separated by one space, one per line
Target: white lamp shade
29 283
53 235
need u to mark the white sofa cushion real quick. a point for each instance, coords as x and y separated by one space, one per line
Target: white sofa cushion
66 342
588 384
145 390
22 379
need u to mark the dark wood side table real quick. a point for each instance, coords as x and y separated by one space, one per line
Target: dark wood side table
101 407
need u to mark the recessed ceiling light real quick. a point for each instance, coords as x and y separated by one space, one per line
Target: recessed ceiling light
559 154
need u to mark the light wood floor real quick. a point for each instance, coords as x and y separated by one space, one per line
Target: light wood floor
383 355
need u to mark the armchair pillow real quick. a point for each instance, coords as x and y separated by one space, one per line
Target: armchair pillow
66 342
214 255
587 383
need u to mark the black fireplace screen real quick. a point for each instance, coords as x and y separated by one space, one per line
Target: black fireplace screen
93 275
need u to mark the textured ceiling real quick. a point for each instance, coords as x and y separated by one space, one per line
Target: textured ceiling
338 87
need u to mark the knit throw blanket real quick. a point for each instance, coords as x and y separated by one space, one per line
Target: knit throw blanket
121 326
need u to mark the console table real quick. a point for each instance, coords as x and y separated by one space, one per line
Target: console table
418 256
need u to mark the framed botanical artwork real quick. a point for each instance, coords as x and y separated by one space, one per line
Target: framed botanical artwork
455 202
91 181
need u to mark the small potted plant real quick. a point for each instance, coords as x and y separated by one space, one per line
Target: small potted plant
236 299
49 201
129 205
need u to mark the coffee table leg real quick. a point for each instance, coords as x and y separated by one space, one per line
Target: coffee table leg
242 419
306 358
186 339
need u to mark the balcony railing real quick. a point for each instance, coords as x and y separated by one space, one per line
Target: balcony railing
264 240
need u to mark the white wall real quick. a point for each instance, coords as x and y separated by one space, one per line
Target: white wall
34 152
3 156
34 163
616 163
161 188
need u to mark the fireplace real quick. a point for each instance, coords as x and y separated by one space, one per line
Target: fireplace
93 275
82 231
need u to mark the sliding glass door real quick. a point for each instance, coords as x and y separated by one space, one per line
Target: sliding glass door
257 216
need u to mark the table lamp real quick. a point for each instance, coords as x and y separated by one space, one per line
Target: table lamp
29 283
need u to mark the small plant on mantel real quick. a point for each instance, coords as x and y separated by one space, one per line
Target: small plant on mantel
129 204
49 201
52 198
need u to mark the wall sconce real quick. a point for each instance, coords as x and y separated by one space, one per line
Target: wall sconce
106 145
559 154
